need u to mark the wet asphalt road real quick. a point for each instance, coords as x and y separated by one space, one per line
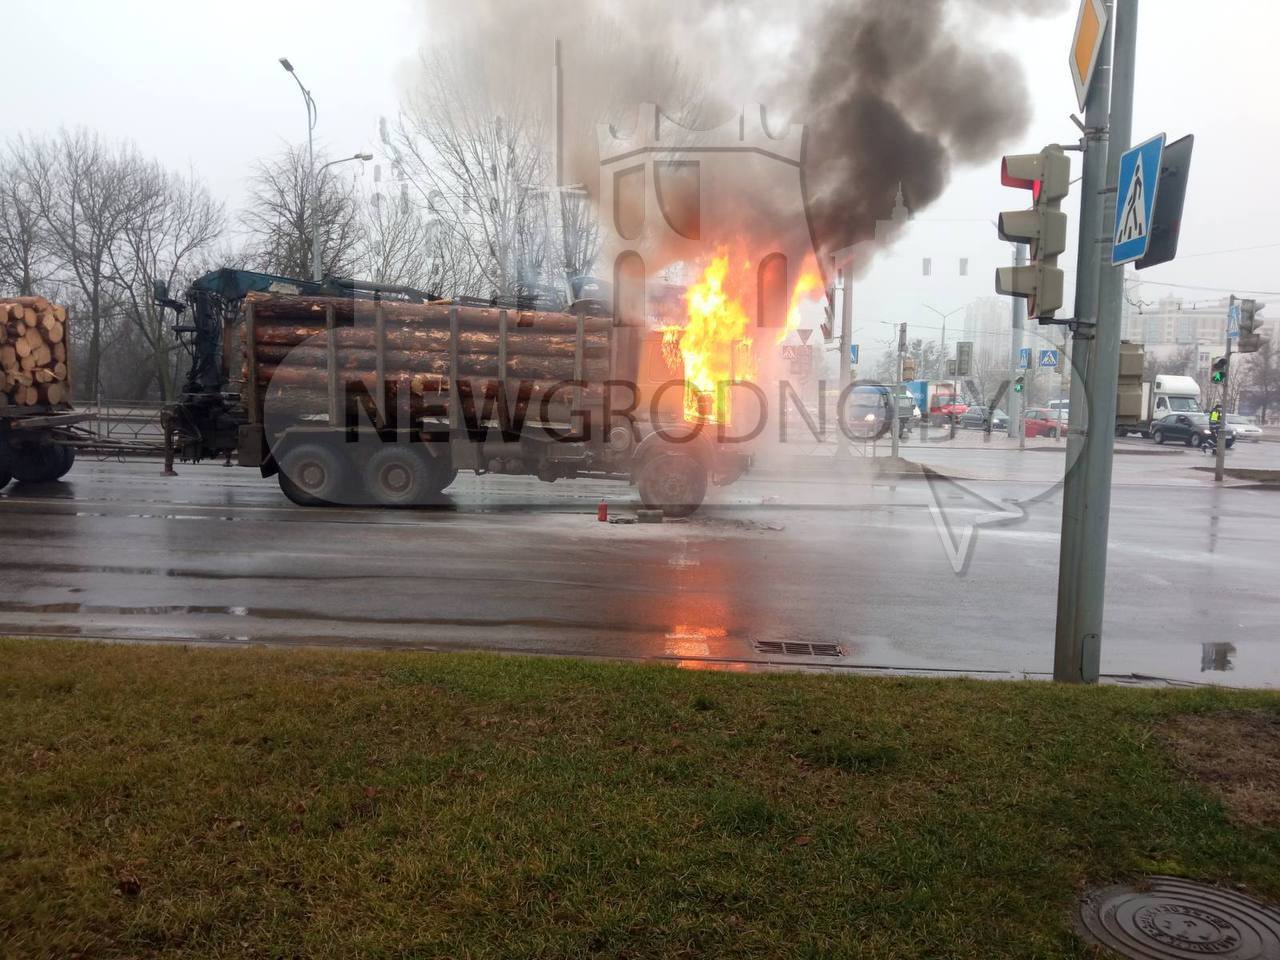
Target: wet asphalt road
794 554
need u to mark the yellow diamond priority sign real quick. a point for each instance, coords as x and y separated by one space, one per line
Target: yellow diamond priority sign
1091 25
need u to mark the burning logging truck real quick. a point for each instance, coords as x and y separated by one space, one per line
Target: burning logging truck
353 393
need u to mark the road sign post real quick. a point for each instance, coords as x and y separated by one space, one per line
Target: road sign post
1087 497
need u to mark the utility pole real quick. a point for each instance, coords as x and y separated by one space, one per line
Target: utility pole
1220 458
1018 308
1076 655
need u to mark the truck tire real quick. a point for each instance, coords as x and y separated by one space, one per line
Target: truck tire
68 461
401 475
442 475
315 475
675 483
38 463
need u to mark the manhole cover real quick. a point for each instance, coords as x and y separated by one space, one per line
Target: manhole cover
1173 918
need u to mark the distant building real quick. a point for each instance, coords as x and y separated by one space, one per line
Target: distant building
1167 327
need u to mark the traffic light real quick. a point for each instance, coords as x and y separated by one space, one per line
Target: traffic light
1250 326
1047 175
908 368
1019 385
1219 374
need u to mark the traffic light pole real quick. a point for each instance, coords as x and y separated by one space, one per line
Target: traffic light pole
1104 367
1017 403
1076 655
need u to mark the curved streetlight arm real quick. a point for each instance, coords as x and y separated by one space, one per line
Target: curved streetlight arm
316 272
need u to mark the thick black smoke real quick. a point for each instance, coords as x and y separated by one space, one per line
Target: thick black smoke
893 92
893 96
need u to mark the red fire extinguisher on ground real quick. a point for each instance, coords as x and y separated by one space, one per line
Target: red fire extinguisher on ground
602 512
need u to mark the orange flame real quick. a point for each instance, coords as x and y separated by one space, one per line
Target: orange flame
713 344
714 347
807 287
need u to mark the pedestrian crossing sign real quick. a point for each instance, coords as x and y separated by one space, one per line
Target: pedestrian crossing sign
1048 358
1136 200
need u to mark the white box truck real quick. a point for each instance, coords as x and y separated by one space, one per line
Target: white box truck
1164 395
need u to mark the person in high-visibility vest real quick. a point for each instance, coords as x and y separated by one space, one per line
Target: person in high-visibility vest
1215 415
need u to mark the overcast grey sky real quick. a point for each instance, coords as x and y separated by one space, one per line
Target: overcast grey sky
198 84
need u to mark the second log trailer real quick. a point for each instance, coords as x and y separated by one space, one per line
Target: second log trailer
353 393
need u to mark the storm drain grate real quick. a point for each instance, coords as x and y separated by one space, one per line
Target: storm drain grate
1170 918
797 648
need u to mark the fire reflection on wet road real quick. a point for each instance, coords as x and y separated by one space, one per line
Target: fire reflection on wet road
215 555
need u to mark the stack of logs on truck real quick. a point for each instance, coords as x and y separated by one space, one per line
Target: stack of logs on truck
356 401
35 391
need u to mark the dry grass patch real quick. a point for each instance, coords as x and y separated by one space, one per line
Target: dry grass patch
1236 755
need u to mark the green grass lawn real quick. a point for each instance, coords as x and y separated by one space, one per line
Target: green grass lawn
247 803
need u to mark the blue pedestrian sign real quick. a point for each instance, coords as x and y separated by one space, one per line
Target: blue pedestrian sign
1136 200
1024 358
1233 322
853 354
1048 358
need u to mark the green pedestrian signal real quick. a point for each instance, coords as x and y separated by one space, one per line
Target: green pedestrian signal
1019 384
1219 374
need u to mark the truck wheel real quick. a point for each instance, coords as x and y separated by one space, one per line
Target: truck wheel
401 476
314 475
675 483
68 455
38 463
441 476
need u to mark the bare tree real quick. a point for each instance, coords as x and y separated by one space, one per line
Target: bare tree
281 214
178 225
398 244
579 233
480 171
87 194
24 253
1262 379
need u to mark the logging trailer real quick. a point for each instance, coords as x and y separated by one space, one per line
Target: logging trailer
354 393
35 397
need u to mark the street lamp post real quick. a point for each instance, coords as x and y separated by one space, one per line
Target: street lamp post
316 272
312 193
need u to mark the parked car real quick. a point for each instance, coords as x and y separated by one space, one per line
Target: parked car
980 418
1245 428
1190 428
1040 422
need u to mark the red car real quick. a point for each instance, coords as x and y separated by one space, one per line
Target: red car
944 407
1044 423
